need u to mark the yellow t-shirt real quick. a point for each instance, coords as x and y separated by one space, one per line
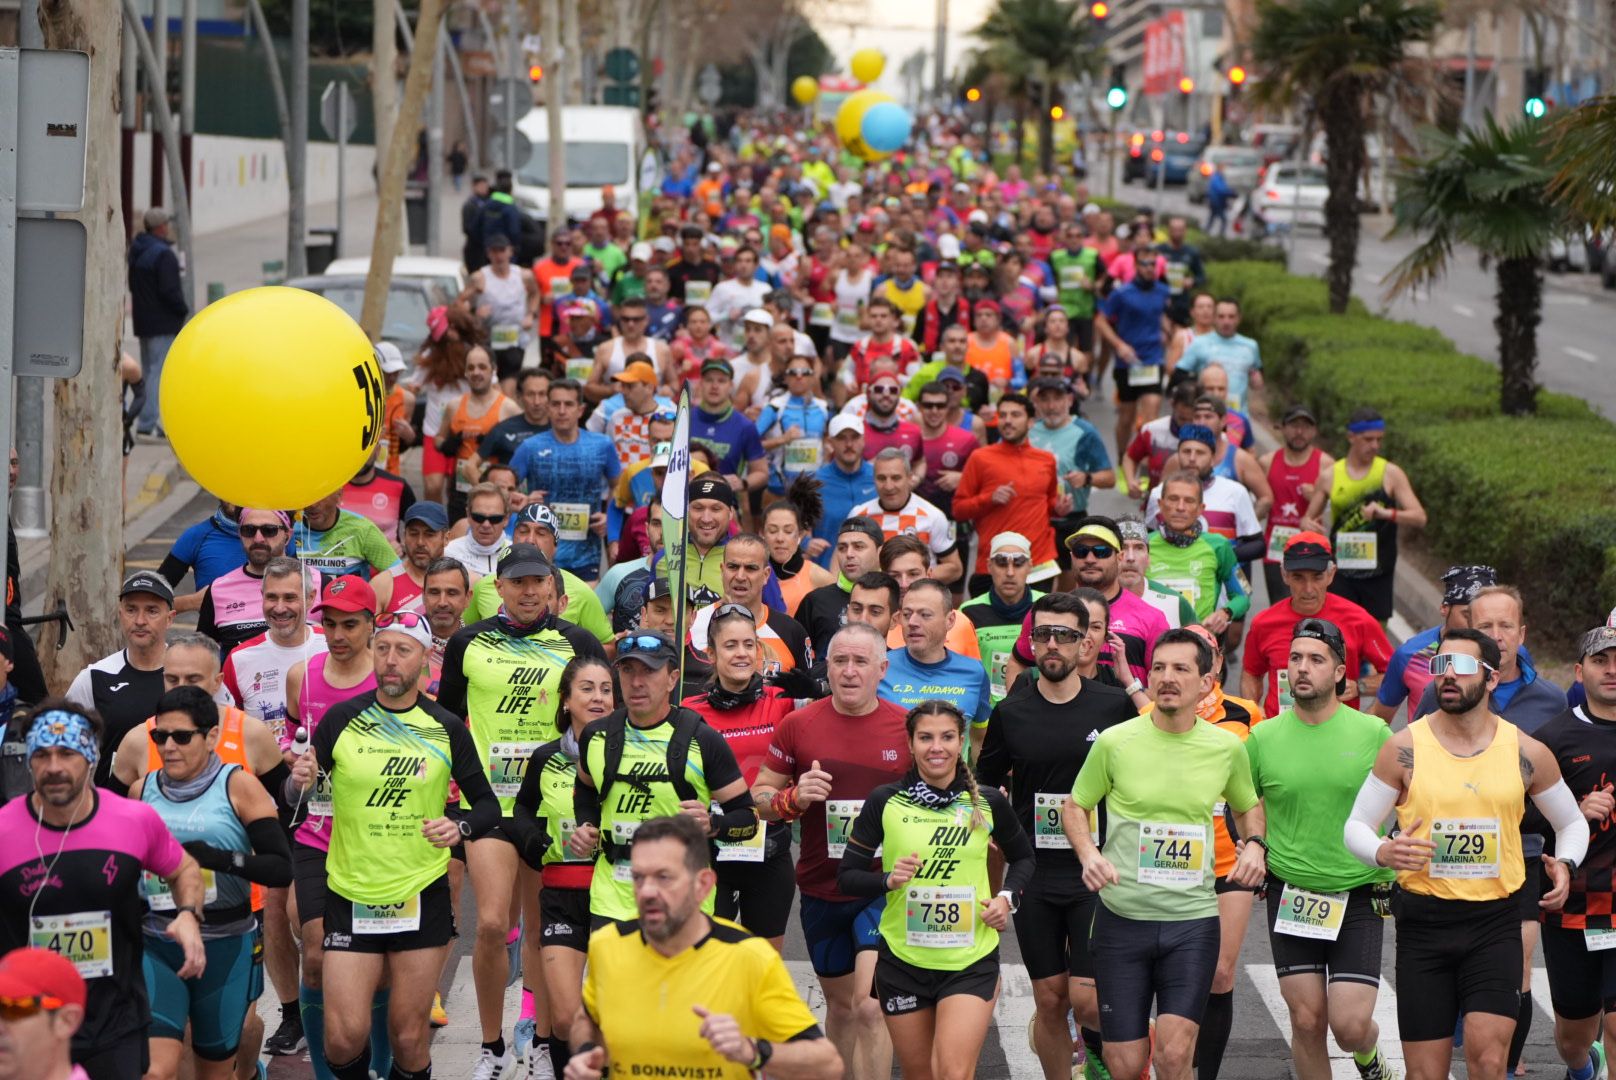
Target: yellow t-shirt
641 1000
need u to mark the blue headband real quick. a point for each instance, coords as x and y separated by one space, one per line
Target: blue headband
1360 427
1198 433
69 730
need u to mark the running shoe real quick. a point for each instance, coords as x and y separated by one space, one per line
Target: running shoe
1379 1069
440 1015
288 1038
523 1039
490 1067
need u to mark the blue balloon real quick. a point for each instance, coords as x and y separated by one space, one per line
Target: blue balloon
886 127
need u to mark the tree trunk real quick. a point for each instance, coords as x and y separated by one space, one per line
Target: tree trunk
1341 109
1021 131
1046 143
1520 309
86 555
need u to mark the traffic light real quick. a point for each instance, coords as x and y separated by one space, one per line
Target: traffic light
535 72
1186 85
1237 75
1533 101
1117 95
1056 112
1099 10
973 94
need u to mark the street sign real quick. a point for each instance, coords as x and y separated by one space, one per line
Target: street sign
338 116
48 334
622 65
53 90
620 94
532 43
709 85
523 150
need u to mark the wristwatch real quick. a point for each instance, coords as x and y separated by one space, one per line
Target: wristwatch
196 912
1012 899
1133 688
1570 864
765 1050
465 828
1260 842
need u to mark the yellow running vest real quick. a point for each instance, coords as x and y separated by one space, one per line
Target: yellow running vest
1471 809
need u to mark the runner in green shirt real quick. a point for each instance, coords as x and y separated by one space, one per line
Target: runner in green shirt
998 614
1325 908
1156 931
939 952
1077 277
536 524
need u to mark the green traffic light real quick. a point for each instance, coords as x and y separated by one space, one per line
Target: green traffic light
1116 97
1535 107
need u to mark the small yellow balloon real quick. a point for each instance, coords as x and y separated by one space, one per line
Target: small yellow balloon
272 367
850 117
868 64
804 88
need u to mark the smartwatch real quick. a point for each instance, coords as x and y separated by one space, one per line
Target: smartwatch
765 1051
1011 898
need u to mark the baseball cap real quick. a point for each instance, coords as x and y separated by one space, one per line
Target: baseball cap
430 514
947 266
709 486
1096 527
841 422
660 454
538 514
866 526
1090 208
1460 584
648 647
1299 412
759 316
989 304
524 560
348 593
951 374
717 365
144 581
658 588
1329 633
388 358
40 973
1597 640
578 311
1308 551
641 250
1197 433
977 217
664 244
640 373
948 248
1010 542
412 624
1049 382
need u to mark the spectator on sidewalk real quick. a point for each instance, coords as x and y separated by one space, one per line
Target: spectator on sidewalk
158 304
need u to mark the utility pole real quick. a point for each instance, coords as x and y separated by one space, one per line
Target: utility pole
514 79
157 91
940 75
28 500
187 85
297 151
553 89
434 151
400 152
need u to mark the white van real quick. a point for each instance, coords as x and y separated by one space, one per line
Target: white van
605 144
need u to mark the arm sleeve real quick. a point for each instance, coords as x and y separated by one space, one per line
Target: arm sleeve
586 797
1091 455
1237 790
1375 647
174 568
860 872
993 764
80 692
269 863
1094 778
1361 833
525 827
472 777
452 681
717 759
1012 841
1229 578
1138 450
970 503
1245 519
1559 806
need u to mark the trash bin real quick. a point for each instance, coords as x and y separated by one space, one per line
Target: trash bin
415 213
320 248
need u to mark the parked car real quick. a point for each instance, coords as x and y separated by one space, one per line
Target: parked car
1242 166
1291 193
1179 156
408 301
1276 142
1133 166
447 273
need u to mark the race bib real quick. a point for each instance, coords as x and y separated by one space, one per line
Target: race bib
1178 277
839 815
998 673
83 938
748 851
940 917
1277 540
507 765
504 335
1286 698
1465 848
622 836
802 455
1598 940
1172 856
1145 375
320 800
387 918
572 520
567 826
561 286
822 315
1357 550
1073 276
159 897
1046 820
697 292
847 318
1188 588
908 321
579 368
1309 914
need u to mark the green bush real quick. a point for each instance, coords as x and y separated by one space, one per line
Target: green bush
1222 249
1535 497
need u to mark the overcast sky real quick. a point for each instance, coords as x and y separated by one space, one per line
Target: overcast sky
898 29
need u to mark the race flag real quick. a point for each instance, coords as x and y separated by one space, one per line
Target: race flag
676 525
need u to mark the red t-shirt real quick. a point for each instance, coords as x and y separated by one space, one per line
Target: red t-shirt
1268 643
946 453
903 434
748 730
860 752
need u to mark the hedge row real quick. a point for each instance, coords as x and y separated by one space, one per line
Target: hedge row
1534 497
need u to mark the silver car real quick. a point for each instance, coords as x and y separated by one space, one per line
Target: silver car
1241 167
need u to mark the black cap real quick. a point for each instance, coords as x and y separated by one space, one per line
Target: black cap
1299 412
1050 382
145 581
868 526
1323 630
1461 583
712 486
1308 551
524 560
648 647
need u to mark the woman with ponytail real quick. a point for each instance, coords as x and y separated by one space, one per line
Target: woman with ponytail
786 524
937 971
756 878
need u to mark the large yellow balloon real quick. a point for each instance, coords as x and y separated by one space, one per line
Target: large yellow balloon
868 64
272 398
851 115
804 88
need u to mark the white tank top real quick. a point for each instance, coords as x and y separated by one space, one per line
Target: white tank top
850 294
508 297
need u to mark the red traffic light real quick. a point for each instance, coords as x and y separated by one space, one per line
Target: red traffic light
1099 9
1237 75
1186 85
536 72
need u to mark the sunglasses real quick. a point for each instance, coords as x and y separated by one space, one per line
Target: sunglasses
631 320
487 519
1061 635
247 532
1010 560
799 372
928 405
724 611
1099 551
645 642
1458 663
883 391
407 619
180 738
14 1009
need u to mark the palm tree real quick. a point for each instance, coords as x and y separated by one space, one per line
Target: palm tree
1585 166
1488 187
1335 56
1050 38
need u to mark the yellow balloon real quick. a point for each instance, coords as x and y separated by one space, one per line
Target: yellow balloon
804 88
850 116
868 64
272 367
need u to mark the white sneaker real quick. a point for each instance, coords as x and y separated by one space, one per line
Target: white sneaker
539 1065
490 1067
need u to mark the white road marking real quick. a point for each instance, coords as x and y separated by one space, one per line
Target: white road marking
1565 298
1320 257
1341 1067
1580 354
1467 312
1400 628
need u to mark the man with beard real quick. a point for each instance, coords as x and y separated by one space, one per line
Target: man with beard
123 688
232 607
425 526
1293 472
1037 741
1458 780
858 551
1012 486
679 985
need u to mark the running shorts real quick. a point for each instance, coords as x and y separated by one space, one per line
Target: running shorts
308 879
434 924
565 914
214 1004
1581 983
1137 962
1454 957
1052 928
1354 955
838 930
904 988
758 895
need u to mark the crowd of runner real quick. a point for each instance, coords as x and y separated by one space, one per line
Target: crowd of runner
923 694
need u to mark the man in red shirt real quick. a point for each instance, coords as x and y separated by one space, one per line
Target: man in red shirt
1012 486
1309 567
884 341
